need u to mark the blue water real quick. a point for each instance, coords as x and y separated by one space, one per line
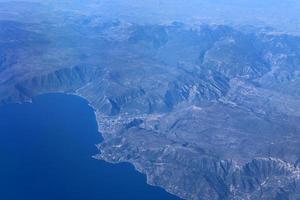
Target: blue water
45 154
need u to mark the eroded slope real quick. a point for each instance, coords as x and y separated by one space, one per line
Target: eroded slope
205 111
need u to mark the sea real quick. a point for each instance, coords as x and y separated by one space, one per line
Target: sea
46 150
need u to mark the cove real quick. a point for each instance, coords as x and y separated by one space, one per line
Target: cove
46 150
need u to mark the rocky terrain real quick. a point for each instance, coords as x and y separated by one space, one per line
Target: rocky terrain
206 111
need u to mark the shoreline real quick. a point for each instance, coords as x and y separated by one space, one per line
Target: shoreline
97 156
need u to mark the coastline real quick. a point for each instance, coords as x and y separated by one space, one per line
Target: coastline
98 146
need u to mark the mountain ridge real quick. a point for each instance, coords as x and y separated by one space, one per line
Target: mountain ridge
206 112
